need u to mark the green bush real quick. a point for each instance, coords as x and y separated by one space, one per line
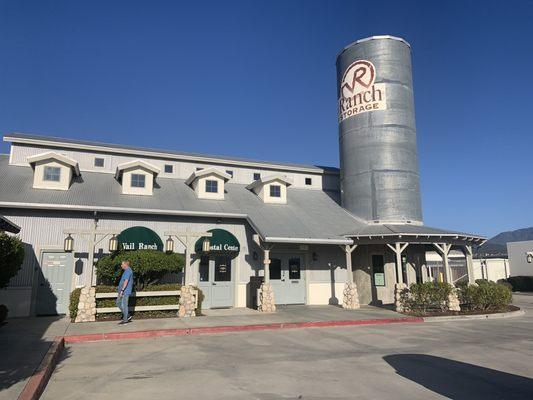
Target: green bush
424 297
12 255
482 281
521 283
148 266
73 305
487 296
3 312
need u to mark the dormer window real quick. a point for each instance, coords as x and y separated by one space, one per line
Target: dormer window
275 191
53 171
138 180
208 183
271 189
137 177
52 174
211 186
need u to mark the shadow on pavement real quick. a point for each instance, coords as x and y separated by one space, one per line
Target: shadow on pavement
459 380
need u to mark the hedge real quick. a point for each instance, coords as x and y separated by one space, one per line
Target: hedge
424 297
12 255
484 296
148 266
521 283
74 301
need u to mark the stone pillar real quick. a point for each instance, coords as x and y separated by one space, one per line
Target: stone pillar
350 298
398 288
266 294
187 302
453 301
87 305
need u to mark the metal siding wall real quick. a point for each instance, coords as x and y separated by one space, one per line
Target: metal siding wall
379 165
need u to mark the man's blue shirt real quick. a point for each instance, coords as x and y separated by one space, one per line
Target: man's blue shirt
127 274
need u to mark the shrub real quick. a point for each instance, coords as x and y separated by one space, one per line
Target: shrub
521 283
423 297
487 296
12 255
74 301
481 281
3 312
148 266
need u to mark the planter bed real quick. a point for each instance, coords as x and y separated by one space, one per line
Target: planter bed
510 308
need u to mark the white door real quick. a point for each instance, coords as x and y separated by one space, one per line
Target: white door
287 277
55 276
215 280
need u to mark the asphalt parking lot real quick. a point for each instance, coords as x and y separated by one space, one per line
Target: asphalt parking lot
461 360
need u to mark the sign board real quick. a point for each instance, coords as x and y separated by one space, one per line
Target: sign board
379 279
139 238
221 243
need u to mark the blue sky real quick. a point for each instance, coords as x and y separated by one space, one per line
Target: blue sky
257 79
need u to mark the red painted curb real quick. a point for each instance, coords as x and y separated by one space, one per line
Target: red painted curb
96 337
38 381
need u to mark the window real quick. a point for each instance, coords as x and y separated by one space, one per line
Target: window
294 268
138 180
169 169
308 181
257 176
222 269
378 270
52 174
98 162
275 269
275 191
230 173
211 186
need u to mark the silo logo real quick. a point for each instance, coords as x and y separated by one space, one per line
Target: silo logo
358 92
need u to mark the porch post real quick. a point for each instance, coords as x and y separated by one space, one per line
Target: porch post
350 300
266 300
469 264
398 249
266 264
444 249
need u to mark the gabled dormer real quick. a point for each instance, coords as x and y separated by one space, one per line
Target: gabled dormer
137 177
208 183
53 170
271 189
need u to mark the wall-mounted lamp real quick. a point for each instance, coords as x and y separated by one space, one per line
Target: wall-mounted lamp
113 244
169 245
315 256
68 245
206 245
529 257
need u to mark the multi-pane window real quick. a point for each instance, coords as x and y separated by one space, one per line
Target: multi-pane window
169 168
138 180
257 176
275 191
308 181
98 162
211 186
52 174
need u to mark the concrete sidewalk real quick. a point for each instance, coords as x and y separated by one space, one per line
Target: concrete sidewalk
238 317
23 344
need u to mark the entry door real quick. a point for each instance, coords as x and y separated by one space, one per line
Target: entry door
216 279
54 283
287 278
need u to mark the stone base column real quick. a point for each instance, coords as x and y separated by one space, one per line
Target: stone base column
350 299
453 301
266 297
398 288
187 302
87 305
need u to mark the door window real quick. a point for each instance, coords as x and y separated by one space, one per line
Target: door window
294 268
203 269
222 269
275 268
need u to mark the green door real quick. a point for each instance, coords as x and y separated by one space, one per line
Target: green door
54 281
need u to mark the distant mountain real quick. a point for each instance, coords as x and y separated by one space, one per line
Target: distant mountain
497 245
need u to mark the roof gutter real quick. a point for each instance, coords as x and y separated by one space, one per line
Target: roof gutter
272 239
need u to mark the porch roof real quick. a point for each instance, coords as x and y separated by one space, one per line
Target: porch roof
8 226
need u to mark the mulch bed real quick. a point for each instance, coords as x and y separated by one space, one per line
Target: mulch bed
452 313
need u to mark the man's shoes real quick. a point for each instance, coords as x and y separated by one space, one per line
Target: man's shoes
124 322
130 318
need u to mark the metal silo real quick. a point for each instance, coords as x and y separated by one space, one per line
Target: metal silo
377 135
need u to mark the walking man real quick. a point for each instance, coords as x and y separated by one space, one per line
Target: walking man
124 291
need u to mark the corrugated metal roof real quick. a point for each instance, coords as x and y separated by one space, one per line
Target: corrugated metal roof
309 214
59 142
406 230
